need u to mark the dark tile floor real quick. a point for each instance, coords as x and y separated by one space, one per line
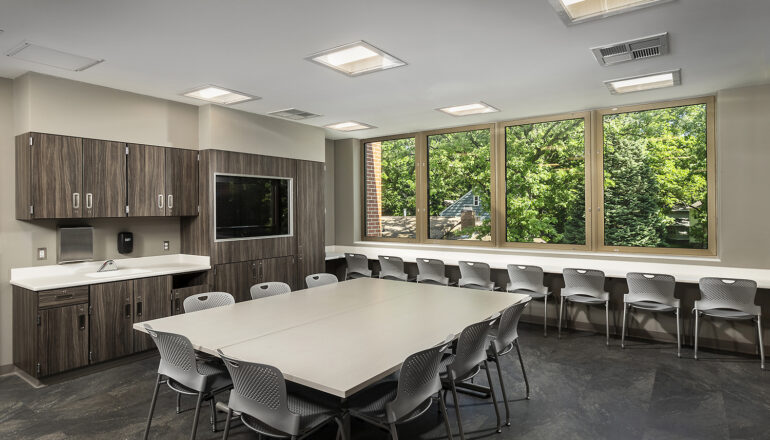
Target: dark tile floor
581 389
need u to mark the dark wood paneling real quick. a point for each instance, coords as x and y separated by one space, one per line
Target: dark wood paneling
63 338
236 278
25 332
57 176
146 171
104 178
309 218
152 300
281 269
179 295
23 177
196 231
111 320
181 182
62 297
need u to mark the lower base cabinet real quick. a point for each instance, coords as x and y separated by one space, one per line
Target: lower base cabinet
62 339
111 320
237 278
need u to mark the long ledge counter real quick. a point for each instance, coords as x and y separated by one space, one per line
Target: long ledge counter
59 276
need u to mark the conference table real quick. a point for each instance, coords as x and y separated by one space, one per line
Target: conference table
338 338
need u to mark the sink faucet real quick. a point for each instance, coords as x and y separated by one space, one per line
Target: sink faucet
107 266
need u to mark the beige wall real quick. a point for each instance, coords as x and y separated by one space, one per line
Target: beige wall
329 192
347 190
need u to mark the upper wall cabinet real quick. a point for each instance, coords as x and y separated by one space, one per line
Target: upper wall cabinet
104 178
162 181
181 182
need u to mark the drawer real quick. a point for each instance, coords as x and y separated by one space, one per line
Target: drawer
62 297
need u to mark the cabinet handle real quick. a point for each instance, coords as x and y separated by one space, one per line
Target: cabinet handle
128 311
76 200
176 305
160 201
89 200
139 309
170 203
69 296
82 322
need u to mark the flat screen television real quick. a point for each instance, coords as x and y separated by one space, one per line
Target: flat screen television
250 207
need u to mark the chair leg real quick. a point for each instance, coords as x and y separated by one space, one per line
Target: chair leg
196 416
227 423
393 431
178 403
623 328
152 407
545 316
561 313
607 321
457 406
213 403
442 405
678 335
695 335
761 344
494 397
523 370
502 388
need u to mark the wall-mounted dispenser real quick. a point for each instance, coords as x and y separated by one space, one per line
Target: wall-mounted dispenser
125 242
75 244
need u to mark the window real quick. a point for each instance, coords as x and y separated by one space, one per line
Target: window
655 178
545 182
390 183
458 173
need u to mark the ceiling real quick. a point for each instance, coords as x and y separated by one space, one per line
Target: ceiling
516 55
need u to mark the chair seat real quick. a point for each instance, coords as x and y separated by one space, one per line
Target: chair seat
585 299
652 306
312 414
534 295
446 361
217 377
370 403
495 344
354 275
727 314
490 286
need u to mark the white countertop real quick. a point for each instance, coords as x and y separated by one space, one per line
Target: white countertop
613 267
81 274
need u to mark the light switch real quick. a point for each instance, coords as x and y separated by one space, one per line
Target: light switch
165 245
42 253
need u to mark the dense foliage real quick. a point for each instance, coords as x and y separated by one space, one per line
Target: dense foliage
398 177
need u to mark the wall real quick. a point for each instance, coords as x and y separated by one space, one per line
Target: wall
329 193
229 129
347 188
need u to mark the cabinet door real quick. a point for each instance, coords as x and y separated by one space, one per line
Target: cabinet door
63 339
310 219
146 191
236 279
179 295
104 178
111 320
281 269
152 300
181 182
57 176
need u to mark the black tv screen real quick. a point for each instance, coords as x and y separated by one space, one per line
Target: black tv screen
252 207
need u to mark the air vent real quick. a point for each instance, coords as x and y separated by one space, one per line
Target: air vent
632 50
293 114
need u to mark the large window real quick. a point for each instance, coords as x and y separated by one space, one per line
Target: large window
459 196
545 182
655 178
390 184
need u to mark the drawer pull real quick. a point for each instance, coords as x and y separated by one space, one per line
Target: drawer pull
69 296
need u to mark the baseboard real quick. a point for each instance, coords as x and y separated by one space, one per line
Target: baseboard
6 369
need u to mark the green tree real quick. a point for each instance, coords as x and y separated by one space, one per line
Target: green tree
398 177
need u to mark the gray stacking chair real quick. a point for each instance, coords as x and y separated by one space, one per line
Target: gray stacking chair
585 286
469 359
186 374
654 293
529 280
505 337
475 275
731 299
320 279
431 271
260 399
208 300
270 288
392 268
389 403
357 266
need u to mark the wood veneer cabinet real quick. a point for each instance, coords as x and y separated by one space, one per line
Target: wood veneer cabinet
104 178
311 255
237 278
162 181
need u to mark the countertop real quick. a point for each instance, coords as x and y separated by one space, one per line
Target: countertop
81 274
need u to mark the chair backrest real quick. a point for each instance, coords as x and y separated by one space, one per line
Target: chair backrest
260 391
529 278
320 279
208 300
724 293
651 287
588 282
270 288
177 358
508 326
357 264
392 268
431 271
475 273
418 381
471 348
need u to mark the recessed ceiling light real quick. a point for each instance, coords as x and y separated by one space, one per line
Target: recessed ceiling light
51 57
578 11
644 82
294 114
468 109
219 95
349 126
356 59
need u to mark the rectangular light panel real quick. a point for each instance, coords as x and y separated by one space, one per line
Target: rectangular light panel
578 11
219 95
468 109
644 82
356 58
52 57
349 126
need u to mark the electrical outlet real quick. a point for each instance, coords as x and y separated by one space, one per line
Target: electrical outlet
166 245
42 253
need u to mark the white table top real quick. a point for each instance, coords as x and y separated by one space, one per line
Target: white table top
338 338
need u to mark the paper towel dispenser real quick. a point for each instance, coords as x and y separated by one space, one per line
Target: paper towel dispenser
75 244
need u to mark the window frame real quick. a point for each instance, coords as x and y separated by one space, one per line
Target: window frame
711 177
502 192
